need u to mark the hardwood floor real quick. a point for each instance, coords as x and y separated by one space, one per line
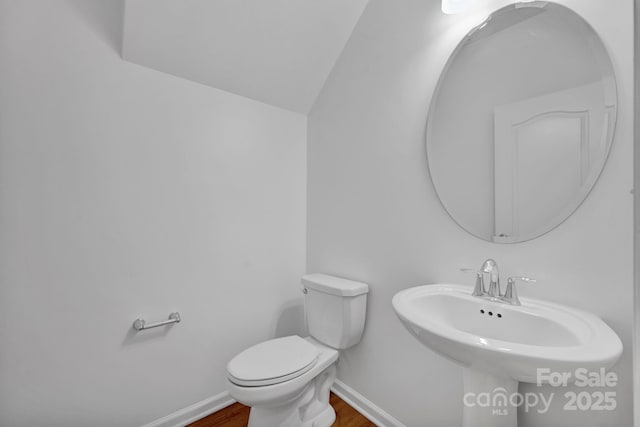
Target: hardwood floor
346 416
237 415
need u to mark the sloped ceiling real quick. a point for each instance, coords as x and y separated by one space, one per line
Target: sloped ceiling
276 51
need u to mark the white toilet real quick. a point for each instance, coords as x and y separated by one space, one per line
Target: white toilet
286 381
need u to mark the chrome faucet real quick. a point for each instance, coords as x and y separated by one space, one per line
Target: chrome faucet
490 267
510 296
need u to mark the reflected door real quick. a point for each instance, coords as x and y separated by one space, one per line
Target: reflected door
542 158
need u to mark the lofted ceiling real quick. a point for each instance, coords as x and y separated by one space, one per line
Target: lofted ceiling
276 51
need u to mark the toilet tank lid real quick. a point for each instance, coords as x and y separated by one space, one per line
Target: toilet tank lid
334 285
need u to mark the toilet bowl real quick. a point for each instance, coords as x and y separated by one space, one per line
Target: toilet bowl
300 400
286 381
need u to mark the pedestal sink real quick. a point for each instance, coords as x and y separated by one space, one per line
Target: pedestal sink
499 344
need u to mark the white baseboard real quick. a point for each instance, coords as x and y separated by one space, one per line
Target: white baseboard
367 408
213 404
194 412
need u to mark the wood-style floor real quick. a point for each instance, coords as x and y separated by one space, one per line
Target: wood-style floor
237 415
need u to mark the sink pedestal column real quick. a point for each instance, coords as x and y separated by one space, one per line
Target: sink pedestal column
489 400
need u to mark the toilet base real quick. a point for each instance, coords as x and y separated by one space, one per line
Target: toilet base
310 409
276 417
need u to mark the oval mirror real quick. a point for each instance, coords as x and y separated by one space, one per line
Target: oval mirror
521 122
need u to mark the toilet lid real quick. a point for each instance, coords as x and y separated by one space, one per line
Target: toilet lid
272 362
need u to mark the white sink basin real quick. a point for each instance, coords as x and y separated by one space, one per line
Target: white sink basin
501 344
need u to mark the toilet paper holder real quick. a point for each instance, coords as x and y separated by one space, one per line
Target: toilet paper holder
140 324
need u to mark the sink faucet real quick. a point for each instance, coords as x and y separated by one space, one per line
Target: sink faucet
510 296
490 267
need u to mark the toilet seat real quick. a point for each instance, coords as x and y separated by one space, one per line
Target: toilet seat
273 362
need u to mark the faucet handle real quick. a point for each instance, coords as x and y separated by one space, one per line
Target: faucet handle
478 290
511 295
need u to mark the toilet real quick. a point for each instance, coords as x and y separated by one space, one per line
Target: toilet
286 381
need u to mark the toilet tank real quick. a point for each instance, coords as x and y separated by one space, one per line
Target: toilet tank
335 309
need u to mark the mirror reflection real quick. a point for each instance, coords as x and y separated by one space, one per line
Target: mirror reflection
521 122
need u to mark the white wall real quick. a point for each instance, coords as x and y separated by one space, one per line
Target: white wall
127 192
373 214
636 252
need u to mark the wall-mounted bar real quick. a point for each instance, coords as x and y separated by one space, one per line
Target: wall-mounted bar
141 325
